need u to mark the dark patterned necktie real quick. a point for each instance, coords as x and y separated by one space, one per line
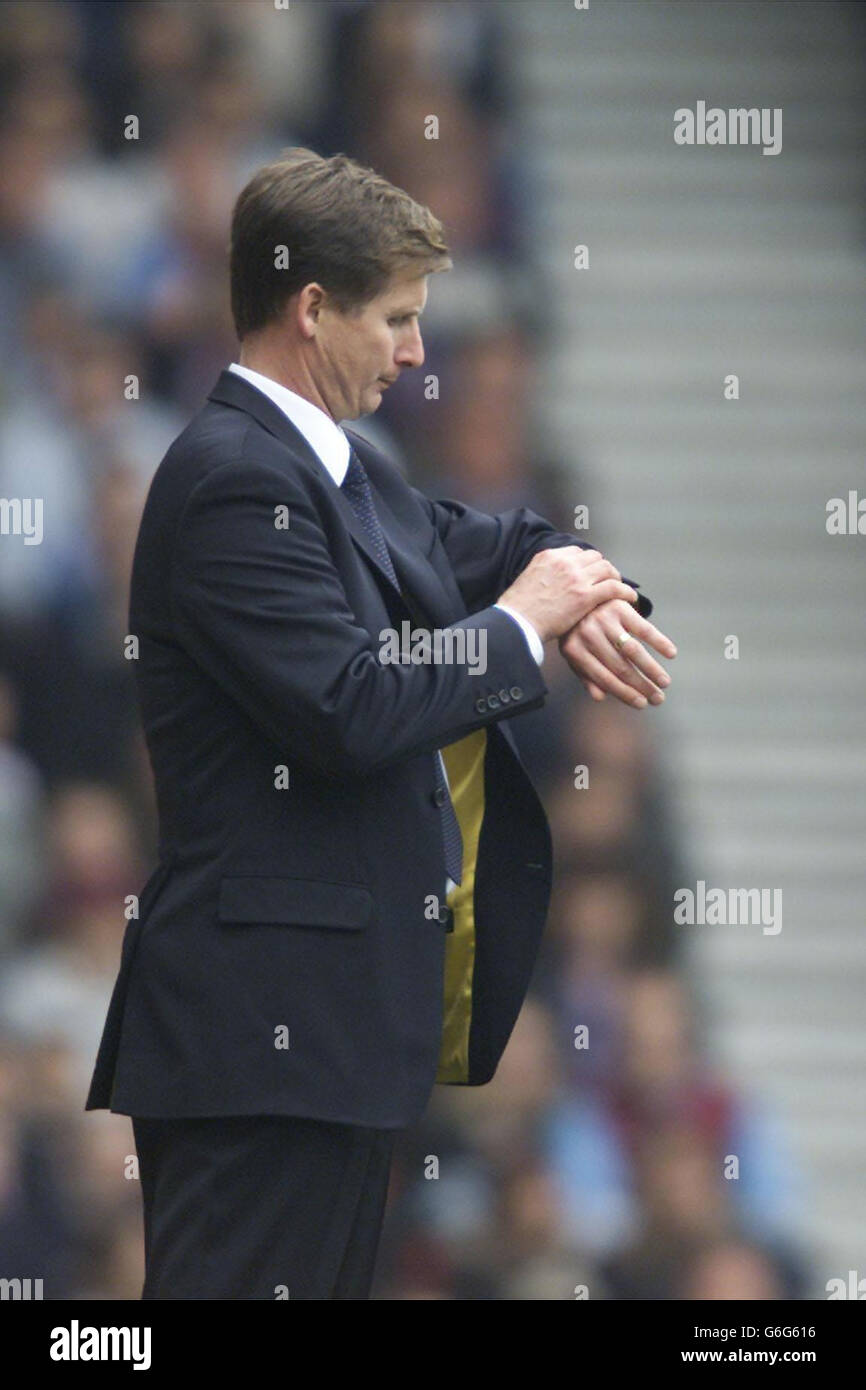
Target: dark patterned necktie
356 486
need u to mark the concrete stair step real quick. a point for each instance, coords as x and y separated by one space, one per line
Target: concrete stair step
587 172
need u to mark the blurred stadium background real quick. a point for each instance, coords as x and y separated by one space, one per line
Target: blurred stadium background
602 1167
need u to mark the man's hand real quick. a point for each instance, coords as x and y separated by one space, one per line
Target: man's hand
561 586
625 670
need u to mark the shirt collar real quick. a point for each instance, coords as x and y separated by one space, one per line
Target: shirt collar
321 433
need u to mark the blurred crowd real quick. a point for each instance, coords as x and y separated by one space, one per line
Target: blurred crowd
595 1162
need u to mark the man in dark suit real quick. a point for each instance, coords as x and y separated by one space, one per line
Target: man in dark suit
354 869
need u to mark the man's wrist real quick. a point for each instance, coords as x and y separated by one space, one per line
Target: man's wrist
536 646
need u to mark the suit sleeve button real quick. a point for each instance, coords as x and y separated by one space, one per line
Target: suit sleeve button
504 697
481 705
439 796
516 692
493 702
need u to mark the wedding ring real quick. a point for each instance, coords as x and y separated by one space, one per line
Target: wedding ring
623 638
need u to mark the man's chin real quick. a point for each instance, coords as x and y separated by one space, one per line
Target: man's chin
370 400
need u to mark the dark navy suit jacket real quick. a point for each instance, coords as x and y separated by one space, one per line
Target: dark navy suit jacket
297 912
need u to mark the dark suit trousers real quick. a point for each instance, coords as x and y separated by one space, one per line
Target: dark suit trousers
261 1206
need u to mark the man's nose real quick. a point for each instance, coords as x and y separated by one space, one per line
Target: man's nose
411 352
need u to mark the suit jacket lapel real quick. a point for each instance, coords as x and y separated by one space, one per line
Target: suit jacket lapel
436 600
233 390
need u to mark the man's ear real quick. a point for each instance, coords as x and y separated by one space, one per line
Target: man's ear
305 307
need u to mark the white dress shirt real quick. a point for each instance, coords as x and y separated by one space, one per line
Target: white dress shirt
332 446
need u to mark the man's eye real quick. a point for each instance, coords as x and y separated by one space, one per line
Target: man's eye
404 318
